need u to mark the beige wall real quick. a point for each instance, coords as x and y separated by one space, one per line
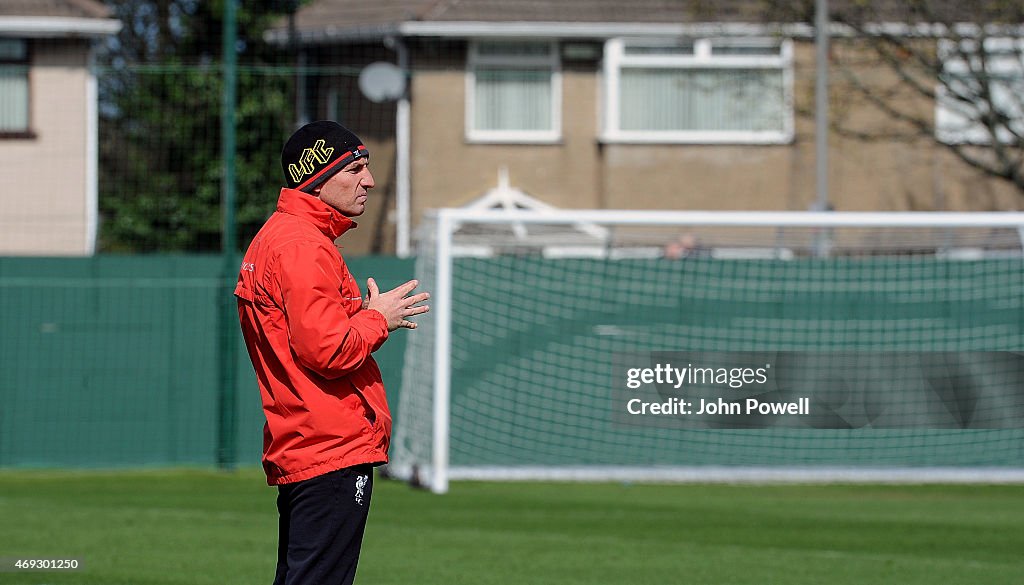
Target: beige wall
43 179
374 123
581 173
449 171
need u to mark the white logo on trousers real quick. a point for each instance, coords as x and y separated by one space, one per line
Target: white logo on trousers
360 484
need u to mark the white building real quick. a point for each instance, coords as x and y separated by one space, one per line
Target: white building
48 125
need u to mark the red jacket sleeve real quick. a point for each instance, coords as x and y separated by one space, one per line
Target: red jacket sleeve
322 335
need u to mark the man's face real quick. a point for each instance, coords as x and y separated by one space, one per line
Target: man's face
346 189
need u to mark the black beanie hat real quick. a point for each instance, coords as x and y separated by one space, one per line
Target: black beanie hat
317 151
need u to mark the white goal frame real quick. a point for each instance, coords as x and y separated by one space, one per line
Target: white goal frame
438 473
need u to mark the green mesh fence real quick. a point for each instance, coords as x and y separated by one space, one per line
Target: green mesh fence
532 386
161 167
111 361
112 350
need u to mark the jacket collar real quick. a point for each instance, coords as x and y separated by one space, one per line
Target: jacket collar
328 220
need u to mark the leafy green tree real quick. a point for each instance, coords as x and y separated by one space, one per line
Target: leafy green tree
160 86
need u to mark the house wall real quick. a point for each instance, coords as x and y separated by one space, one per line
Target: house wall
900 169
43 182
374 123
580 172
447 170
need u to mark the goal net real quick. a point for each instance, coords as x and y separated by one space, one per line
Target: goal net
725 346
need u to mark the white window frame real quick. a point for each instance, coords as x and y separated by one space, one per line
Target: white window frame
615 58
947 121
551 60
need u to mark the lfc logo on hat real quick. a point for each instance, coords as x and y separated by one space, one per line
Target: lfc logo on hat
307 161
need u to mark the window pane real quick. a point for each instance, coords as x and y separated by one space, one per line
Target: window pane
13 98
957 121
513 49
681 49
513 99
960 120
739 49
12 50
702 99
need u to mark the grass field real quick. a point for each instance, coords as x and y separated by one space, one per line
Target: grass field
203 527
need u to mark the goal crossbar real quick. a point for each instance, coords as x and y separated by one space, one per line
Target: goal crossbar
936 219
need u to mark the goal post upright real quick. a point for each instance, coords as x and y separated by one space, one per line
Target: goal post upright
442 354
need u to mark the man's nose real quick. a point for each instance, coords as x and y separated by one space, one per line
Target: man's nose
368 180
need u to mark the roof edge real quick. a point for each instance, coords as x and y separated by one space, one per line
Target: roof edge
616 29
598 29
57 26
604 30
465 29
330 34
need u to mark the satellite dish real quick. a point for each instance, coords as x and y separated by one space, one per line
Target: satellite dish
382 82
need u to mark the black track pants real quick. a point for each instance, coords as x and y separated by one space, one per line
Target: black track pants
321 527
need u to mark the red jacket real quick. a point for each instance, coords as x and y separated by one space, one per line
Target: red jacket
310 342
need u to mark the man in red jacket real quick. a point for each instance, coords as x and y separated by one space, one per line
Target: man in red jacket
310 335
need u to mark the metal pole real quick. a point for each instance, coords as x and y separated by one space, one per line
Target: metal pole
293 46
301 111
92 150
301 117
402 157
821 104
227 427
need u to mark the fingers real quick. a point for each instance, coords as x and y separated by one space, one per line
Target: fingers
401 290
404 289
405 323
410 301
397 304
415 311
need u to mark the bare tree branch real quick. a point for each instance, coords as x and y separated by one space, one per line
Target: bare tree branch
944 55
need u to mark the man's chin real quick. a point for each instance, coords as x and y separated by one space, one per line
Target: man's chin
354 211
